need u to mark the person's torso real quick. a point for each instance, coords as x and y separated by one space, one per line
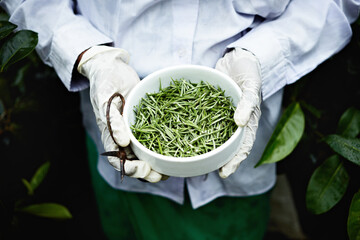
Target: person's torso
160 33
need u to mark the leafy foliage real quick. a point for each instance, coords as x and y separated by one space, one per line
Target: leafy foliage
353 225
349 123
17 47
16 106
47 210
323 95
330 180
286 135
327 185
349 148
6 28
37 178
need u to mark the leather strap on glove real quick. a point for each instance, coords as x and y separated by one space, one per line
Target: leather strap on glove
108 72
243 67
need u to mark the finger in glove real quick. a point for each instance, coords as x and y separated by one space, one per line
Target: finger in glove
141 169
247 144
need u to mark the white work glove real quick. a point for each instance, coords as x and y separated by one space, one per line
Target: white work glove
108 72
243 67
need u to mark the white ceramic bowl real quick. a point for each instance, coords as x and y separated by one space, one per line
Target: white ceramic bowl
189 166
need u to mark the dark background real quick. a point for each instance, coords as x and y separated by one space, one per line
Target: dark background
49 130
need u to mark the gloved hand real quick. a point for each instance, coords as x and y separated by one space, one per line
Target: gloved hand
243 67
108 72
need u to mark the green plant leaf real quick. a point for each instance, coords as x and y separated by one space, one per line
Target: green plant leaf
28 186
353 222
20 76
39 175
6 28
349 148
47 210
349 123
17 47
286 135
327 185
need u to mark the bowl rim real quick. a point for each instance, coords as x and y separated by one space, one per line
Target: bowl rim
196 158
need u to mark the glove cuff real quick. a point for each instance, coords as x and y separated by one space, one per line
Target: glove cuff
247 54
85 56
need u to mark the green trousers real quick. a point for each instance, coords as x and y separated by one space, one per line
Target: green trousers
126 215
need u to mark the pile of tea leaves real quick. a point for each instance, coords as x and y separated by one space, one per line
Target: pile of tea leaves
184 119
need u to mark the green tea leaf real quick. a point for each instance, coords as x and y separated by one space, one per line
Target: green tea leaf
286 135
353 222
28 186
47 210
6 28
349 123
17 47
327 185
349 148
39 175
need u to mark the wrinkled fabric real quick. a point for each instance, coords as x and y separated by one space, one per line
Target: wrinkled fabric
289 38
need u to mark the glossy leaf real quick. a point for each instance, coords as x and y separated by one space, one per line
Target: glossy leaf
349 123
327 185
28 186
47 210
349 148
39 175
6 28
286 135
353 222
17 47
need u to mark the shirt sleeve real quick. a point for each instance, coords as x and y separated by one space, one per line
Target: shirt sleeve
306 34
63 35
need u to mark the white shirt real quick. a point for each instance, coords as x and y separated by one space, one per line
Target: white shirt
290 39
